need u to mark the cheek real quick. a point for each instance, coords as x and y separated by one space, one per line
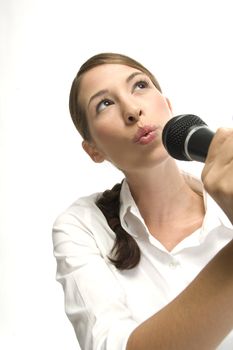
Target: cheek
107 126
161 109
160 103
104 133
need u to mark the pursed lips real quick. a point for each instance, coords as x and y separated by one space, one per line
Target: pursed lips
147 129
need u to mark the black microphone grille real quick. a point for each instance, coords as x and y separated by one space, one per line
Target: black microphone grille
176 131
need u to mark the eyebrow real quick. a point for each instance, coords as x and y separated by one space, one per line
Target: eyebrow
105 91
133 75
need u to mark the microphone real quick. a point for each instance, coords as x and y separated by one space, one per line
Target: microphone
187 137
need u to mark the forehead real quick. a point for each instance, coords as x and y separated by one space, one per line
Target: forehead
103 77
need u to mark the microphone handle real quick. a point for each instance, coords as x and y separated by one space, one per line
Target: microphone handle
197 143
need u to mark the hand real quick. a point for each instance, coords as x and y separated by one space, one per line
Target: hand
217 175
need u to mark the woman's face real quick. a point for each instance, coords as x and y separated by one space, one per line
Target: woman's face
126 115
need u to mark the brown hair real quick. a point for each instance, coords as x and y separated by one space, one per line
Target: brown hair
125 253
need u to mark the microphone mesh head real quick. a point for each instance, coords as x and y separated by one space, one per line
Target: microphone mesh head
176 131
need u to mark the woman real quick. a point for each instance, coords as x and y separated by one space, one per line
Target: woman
148 264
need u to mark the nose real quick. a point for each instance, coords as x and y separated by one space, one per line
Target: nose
132 113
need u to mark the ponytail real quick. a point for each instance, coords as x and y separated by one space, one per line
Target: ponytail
125 253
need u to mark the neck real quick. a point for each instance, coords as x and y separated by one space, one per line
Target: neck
163 196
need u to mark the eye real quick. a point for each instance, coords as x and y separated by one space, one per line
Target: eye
103 104
142 84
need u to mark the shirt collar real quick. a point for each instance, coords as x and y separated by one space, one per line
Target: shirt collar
126 199
127 203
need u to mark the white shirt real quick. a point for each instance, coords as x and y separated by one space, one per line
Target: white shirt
105 304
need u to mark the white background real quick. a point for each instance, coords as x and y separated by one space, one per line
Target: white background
186 44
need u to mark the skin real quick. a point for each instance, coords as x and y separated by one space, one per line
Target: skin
202 315
111 128
218 170
152 175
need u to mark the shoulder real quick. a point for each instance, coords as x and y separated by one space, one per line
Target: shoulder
83 224
80 211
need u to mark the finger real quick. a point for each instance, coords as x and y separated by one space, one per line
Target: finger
220 152
221 143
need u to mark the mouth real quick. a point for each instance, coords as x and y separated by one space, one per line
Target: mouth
145 135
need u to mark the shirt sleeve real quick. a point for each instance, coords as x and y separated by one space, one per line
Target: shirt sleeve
94 300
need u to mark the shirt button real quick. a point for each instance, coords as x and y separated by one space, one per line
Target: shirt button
173 265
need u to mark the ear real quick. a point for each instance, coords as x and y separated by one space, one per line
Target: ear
96 155
169 104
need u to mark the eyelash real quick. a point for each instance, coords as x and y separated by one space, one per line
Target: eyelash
143 82
102 101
